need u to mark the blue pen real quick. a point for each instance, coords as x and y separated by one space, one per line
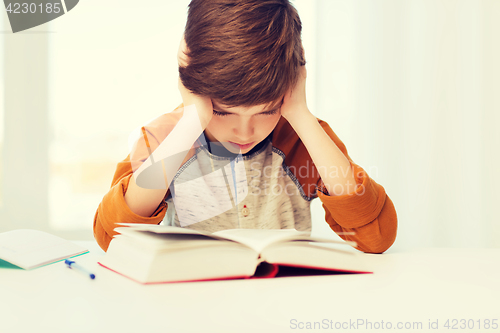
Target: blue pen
72 264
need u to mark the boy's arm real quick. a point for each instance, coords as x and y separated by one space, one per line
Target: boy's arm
331 163
113 209
353 201
368 212
131 203
169 138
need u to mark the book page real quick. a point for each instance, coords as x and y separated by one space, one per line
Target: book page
165 231
28 248
255 239
176 241
258 239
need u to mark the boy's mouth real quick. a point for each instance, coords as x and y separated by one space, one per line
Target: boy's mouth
242 146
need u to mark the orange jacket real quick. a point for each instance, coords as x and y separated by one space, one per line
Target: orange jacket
368 212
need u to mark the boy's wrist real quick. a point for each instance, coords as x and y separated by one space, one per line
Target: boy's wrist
297 115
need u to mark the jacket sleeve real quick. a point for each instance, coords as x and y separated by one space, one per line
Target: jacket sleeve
113 209
367 212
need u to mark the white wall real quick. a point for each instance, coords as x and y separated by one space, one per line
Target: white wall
411 87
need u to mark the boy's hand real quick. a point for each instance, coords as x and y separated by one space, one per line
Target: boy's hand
294 102
203 103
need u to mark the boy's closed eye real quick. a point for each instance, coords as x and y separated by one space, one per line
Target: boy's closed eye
265 113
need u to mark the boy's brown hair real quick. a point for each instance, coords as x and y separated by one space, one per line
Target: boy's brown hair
242 52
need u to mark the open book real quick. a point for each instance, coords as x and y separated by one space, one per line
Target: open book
159 254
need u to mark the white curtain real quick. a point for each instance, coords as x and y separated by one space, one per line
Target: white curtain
413 90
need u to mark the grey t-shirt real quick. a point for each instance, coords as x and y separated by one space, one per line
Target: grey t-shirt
213 192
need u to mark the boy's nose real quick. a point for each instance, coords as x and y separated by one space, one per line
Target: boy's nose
244 131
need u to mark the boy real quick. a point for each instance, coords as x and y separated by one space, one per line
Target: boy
244 151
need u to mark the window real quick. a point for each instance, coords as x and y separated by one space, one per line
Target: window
105 80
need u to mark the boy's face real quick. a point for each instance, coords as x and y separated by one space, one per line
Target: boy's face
239 129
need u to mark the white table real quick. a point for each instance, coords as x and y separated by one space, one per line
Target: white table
416 287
